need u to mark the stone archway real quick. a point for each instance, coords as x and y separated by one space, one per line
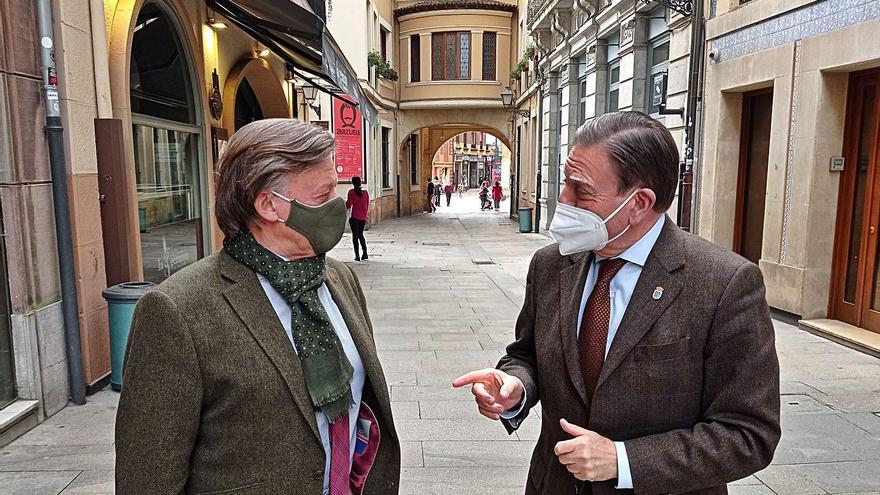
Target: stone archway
430 138
266 88
495 121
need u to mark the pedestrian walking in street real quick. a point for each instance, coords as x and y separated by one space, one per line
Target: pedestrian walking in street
438 191
651 350
429 190
448 191
460 189
484 198
254 370
359 202
497 195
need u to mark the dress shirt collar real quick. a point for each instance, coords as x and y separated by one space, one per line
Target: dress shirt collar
638 252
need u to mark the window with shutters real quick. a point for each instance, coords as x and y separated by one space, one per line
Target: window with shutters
450 56
489 56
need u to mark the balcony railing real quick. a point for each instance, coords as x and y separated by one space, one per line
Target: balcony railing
536 7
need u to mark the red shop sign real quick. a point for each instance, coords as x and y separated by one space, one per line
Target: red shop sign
348 128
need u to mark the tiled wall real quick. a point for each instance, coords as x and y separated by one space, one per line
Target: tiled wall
805 22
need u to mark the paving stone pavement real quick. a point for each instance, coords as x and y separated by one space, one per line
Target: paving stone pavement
444 290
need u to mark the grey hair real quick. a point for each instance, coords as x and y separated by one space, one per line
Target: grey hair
259 156
642 150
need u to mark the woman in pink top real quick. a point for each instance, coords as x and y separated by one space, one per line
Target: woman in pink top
359 202
497 194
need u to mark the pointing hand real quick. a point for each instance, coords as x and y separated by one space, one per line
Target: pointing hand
494 390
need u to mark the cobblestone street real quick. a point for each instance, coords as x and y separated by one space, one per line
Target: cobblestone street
444 290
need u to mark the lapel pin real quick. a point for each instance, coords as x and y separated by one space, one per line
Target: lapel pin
332 277
658 293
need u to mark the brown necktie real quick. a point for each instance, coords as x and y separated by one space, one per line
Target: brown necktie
594 327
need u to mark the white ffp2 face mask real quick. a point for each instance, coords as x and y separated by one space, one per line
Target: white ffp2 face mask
577 230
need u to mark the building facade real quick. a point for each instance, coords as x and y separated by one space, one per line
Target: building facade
33 363
150 92
790 152
580 59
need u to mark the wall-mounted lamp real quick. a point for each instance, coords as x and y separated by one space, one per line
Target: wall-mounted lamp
310 92
507 101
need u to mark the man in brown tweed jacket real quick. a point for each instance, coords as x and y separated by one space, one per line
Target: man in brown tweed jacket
651 351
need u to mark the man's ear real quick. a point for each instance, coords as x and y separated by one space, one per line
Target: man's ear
644 201
266 207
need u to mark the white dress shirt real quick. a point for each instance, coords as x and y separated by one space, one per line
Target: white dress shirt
622 286
348 345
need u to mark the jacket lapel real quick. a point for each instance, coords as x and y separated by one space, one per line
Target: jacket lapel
571 288
248 299
643 309
360 333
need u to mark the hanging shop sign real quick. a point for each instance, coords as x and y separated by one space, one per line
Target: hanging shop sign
348 126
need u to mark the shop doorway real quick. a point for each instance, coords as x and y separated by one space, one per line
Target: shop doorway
754 154
855 291
168 145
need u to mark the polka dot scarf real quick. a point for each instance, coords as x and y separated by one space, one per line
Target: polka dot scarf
326 369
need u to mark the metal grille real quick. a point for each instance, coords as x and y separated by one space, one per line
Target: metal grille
465 53
488 56
437 56
451 56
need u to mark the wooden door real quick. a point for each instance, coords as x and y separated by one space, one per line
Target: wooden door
754 154
855 294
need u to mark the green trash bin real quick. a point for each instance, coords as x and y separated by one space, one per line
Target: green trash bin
121 301
525 220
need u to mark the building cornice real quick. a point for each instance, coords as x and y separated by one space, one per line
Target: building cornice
432 6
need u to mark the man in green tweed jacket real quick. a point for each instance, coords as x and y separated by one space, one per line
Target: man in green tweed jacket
254 371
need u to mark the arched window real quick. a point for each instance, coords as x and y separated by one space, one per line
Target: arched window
167 144
247 107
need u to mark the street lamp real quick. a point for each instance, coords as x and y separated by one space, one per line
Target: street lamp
507 97
507 102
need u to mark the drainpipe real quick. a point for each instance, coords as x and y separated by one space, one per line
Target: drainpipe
689 173
58 165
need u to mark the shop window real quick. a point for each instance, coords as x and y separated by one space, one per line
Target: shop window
415 58
167 145
489 42
160 83
450 56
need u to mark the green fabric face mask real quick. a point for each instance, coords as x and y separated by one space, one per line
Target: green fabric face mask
322 225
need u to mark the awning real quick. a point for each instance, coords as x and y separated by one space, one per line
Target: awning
292 30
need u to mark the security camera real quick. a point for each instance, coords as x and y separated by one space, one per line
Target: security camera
713 55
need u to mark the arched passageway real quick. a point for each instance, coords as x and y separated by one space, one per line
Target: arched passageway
480 154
